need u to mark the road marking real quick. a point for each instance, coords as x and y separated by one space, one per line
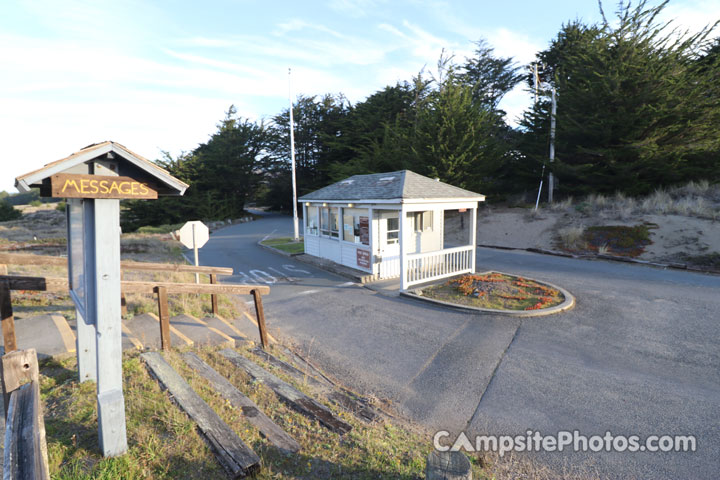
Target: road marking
268 235
282 274
223 335
231 326
258 274
346 284
293 268
66 334
308 292
272 339
174 330
131 337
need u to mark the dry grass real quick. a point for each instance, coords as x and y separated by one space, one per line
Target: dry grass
571 237
695 199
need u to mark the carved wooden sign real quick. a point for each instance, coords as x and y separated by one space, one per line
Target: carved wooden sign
96 186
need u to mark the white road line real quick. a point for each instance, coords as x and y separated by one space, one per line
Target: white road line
347 284
268 235
308 292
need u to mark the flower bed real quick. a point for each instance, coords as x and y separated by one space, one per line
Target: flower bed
497 291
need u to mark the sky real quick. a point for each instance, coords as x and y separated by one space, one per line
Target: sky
158 75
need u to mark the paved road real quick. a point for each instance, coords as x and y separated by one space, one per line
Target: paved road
637 356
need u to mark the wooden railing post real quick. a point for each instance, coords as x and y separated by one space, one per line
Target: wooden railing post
6 313
3 269
260 318
214 297
25 444
164 315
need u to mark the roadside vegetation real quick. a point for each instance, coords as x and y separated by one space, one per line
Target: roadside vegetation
286 244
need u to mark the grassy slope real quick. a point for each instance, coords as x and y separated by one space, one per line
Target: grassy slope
164 443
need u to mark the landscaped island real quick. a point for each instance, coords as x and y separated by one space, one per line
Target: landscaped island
496 291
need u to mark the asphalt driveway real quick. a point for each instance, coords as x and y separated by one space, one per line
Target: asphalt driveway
639 354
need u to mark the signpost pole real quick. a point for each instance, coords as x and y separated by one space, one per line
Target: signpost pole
195 249
103 236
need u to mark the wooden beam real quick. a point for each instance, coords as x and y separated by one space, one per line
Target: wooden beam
238 459
30 259
225 288
276 435
164 317
345 399
8 321
260 312
25 446
289 394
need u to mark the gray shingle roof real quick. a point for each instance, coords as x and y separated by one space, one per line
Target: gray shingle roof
400 185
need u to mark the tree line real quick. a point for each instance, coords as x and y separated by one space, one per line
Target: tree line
638 108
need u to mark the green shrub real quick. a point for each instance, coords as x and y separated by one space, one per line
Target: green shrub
8 212
36 203
60 207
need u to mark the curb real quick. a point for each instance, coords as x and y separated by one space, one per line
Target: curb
612 258
568 304
275 250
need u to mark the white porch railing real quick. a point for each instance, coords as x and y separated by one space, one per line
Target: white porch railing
429 266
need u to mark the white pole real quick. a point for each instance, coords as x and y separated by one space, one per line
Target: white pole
551 180
195 249
296 236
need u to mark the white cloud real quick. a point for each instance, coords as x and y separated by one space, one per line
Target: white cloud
352 8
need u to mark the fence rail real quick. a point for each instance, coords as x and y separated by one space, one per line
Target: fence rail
429 266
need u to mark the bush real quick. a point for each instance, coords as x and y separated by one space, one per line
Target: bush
61 206
36 203
8 212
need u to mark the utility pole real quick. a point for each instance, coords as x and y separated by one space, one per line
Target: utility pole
551 179
296 236
542 175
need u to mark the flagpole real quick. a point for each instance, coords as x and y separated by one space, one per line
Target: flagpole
296 236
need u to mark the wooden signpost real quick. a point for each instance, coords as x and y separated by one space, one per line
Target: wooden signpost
93 181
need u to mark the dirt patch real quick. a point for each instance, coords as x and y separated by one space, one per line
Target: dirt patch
496 291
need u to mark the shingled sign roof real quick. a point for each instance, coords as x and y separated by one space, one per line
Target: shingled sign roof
133 165
400 185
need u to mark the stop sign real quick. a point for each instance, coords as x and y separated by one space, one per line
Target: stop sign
194 234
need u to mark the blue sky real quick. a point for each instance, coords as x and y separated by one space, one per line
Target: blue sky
159 75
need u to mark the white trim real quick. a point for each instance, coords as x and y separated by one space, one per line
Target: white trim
23 183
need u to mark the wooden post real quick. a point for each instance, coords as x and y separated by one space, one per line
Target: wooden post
447 466
3 269
214 297
18 367
123 305
8 322
25 445
260 318
164 316
102 243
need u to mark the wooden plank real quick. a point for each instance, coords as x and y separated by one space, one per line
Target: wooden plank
214 297
237 458
269 429
260 312
296 399
65 185
147 287
6 317
172 267
30 259
25 455
52 284
345 399
164 317
25 446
